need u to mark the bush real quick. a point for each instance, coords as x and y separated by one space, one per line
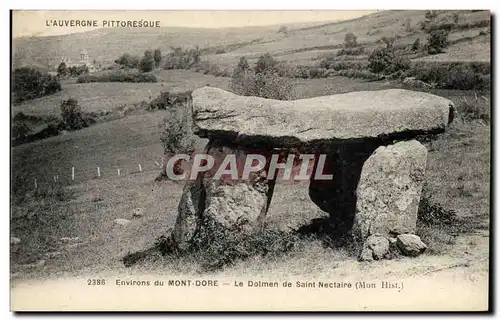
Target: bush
169 99
437 41
461 76
127 60
266 63
350 40
118 76
351 51
72 116
182 59
147 62
20 130
29 83
176 130
157 57
266 84
384 60
62 70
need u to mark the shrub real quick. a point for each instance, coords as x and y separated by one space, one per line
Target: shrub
62 70
127 60
182 59
266 63
437 41
157 57
20 130
350 40
266 84
118 76
147 62
72 116
29 83
169 99
176 132
462 76
384 60
351 51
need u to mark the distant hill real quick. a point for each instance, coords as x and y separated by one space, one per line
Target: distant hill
300 42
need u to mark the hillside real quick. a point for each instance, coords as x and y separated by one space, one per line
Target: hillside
301 44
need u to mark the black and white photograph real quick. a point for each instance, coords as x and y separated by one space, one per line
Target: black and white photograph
188 160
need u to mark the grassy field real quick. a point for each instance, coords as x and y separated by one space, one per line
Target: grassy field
70 224
99 97
457 178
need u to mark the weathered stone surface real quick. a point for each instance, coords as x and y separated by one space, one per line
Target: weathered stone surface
375 247
122 221
238 205
389 190
410 244
355 115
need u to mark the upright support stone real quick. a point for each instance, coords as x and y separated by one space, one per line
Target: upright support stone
238 205
389 190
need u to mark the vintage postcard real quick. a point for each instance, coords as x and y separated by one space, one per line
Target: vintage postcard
250 160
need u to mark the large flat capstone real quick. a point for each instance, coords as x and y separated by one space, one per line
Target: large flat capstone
350 116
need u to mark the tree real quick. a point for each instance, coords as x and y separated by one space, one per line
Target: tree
157 57
62 70
265 63
430 15
385 60
147 62
30 83
71 114
350 40
437 41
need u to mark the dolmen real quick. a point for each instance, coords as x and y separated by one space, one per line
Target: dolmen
372 166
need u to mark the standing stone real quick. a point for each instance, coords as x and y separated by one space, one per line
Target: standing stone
238 205
389 190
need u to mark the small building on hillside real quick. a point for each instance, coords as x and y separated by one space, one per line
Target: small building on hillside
84 61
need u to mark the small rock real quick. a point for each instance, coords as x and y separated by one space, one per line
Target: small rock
40 263
375 247
410 244
122 221
137 213
14 240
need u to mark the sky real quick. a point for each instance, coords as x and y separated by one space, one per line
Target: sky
28 23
